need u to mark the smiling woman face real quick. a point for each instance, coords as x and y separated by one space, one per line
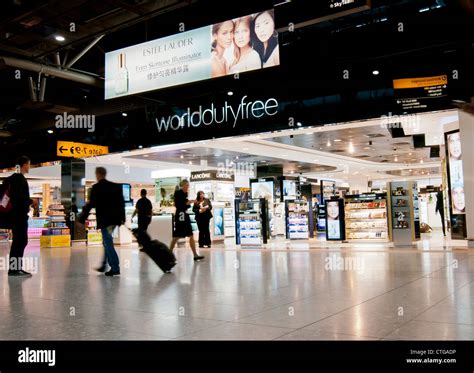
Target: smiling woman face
264 27
242 33
225 34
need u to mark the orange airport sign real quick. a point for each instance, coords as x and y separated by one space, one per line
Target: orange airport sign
420 82
78 150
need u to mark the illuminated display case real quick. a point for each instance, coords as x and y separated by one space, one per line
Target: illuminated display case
366 217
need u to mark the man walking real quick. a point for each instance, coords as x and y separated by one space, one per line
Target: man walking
440 207
21 202
144 210
107 199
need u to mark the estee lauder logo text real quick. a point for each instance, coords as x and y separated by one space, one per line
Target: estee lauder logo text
245 110
166 47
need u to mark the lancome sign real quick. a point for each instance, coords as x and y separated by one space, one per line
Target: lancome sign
229 47
212 175
216 115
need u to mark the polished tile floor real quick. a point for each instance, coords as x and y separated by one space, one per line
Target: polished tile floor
297 291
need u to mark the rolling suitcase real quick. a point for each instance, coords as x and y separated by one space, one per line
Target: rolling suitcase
156 250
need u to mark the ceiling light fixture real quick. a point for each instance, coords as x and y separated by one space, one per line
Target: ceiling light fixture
351 147
328 144
59 38
50 131
376 72
124 114
140 146
230 93
337 140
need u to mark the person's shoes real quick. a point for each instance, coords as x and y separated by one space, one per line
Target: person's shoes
112 273
19 273
101 269
198 257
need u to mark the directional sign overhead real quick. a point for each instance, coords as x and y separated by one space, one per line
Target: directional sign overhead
78 150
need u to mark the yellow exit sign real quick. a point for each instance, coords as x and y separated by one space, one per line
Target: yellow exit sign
78 150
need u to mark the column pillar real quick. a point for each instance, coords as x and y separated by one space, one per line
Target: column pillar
73 193
466 128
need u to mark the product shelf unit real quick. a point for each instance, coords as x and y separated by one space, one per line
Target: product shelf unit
57 233
366 217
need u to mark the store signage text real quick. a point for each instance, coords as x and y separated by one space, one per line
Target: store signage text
78 150
211 175
213 115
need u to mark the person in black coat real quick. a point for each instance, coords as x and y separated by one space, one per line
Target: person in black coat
182 222
202 210
18 216
144 210
107 199
440 207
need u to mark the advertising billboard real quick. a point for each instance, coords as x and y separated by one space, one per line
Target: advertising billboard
226 48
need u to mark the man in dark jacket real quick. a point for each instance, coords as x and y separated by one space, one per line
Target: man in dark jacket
440 207
21 202
107 199
144 210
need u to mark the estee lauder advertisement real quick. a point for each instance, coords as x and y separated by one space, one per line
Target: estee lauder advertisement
226 48
456 173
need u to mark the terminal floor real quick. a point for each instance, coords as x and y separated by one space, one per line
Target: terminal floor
284 291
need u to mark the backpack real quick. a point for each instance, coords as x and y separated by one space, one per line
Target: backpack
5 199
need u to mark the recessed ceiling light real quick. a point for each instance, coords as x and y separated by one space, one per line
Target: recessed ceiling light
292 172
124 114
182 156
376 72
299 124
183 150
337 140
421 161
328 144
140 146
351 147
50 131
264 161
190 162
409 153
59 38
230 93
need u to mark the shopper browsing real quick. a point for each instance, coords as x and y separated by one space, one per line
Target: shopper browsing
182 222
107 199
19 194
202 210
144 210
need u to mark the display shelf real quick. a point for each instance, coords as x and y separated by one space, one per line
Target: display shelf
57 233
251 222
94 235
4 235
297 219
366 217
